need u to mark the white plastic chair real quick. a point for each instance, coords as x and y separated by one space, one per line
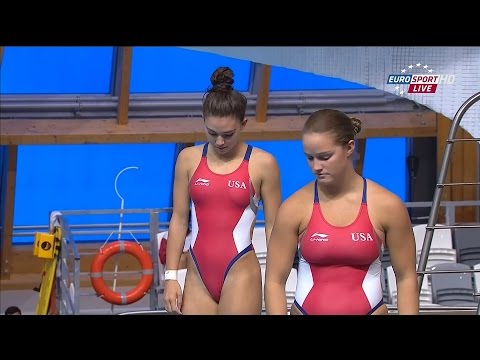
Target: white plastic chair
442 238
476 279
441 247
259 241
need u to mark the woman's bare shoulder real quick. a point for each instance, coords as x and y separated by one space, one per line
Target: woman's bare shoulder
300 197
297 208
263 157
192 150
190 153
381 197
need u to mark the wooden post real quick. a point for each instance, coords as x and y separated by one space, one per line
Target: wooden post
125 62
262 96
7 191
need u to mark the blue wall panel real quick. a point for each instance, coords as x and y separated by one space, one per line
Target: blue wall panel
56 70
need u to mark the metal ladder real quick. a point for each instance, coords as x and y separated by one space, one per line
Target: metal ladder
432 219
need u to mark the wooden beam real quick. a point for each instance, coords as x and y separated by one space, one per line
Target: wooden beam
125 60
187 130
262 96
7 204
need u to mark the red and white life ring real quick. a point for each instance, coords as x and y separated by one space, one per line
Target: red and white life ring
117 297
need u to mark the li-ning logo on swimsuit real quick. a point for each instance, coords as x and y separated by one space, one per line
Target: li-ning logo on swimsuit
236 184
319 237
362 236
202 182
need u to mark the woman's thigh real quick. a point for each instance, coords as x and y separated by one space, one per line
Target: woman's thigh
242 289
196 298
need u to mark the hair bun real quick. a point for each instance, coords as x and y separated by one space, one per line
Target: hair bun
357 125
222 79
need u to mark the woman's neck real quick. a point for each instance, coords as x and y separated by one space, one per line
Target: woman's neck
342 185
233 154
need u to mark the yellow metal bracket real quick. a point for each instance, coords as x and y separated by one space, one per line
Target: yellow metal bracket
47 246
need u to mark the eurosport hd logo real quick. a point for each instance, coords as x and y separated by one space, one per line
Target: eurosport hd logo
418 79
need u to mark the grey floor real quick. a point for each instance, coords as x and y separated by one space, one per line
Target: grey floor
90 304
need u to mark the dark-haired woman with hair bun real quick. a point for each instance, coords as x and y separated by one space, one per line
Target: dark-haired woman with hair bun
222 183
340 222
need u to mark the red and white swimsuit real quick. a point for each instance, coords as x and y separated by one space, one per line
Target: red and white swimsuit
224 209
339 269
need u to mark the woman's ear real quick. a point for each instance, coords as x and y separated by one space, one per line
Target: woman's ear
350 148
244 123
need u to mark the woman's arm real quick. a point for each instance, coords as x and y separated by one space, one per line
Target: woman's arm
401 246
270 191
280 255
177 230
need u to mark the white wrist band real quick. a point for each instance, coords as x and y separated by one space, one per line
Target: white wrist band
171 274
